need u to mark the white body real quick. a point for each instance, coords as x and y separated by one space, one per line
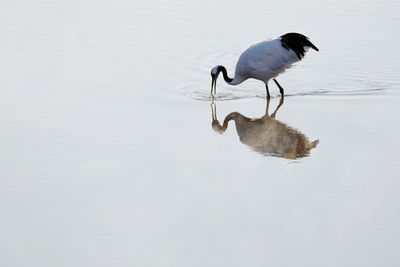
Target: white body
263 61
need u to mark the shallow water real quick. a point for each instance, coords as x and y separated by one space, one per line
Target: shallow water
109 156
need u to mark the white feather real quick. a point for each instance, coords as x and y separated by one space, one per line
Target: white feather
263 61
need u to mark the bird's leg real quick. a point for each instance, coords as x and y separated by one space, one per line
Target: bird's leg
267 108
268 96
276 110
280 88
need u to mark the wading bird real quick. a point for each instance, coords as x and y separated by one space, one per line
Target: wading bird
267 135
266 60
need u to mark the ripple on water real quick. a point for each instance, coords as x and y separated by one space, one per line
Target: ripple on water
200 91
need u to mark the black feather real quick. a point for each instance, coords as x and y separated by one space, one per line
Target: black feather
296 42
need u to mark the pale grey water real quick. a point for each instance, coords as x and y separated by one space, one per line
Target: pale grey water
108 156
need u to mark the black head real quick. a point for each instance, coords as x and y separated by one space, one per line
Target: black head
214 76
216 71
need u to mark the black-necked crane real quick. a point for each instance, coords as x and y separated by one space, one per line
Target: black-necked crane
266 60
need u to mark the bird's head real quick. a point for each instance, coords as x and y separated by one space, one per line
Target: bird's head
214 75
215 72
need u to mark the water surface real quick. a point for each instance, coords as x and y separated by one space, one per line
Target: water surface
109 156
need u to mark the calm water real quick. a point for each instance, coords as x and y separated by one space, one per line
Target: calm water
111 152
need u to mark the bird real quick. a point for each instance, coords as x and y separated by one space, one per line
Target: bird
266 135
265 60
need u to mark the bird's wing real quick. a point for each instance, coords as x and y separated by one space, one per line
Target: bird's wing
269 56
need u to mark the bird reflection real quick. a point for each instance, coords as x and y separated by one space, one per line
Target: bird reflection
267 135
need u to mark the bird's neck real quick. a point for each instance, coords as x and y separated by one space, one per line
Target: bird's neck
224 73
218 128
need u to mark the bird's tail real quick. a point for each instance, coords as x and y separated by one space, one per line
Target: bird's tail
308 43
314 143
297 42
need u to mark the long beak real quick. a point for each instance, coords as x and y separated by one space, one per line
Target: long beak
213 86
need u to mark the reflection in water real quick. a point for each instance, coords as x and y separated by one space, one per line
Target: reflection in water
266 134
